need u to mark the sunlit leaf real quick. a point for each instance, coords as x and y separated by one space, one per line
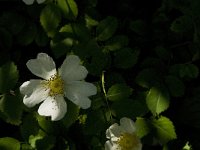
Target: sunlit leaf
8 76
164 129
175 85
118 92
9 143
106 28
142 127
34 138
50 18
69 8
157 100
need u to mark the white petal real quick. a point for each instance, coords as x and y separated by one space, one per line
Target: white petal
127 124
34 92
71 70
140 146
81 101
78 92
108 145
43 66
28 86
113 132
56 108
28 2
40 1
81 88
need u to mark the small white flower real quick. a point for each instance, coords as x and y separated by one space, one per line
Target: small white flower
30 2
123 136
67 81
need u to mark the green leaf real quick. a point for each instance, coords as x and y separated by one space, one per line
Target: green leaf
29 127
46 143
94 125
79 31
8 76
118 92
157 100
163 53
175 86
71 115
62 47
14 22
27 34
34 138
142 127
99 62
46 125
164 129
117 42
90 22
5 39
8 143
138 26
126 58
113 78
106 28
41 38
128 108
25 146
50 18
148 77
182 24
189 70
69 8
11 106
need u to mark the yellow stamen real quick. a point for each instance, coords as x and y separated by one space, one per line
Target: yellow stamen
55 84
128 141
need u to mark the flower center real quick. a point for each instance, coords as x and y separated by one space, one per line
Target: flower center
56 85
128 141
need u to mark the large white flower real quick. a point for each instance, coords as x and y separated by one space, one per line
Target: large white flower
123 136
66 81
30 2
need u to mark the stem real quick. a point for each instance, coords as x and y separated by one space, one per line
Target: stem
105 94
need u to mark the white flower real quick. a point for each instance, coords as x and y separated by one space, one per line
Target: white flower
30 2
123 136
67 81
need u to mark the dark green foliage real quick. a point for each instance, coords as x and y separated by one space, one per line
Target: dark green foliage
143 56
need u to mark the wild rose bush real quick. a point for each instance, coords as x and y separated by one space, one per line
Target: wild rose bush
99 75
